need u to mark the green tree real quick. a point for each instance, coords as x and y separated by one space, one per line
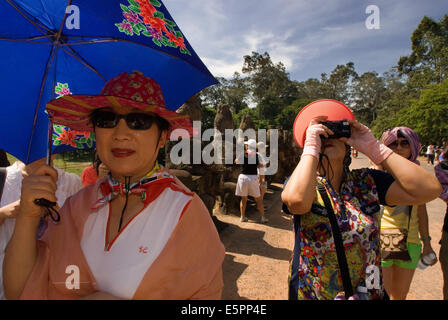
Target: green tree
208 117
428 61
214 95
269 107
428 116
337 85
286 118
369 92
234 92
253 113
397 96
427 64
311 89
237 93
269 83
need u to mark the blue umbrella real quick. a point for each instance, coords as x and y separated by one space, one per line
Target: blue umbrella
49 45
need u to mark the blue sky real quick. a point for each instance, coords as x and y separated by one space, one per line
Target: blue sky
309 37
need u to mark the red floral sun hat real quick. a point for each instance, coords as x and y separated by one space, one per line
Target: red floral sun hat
125 90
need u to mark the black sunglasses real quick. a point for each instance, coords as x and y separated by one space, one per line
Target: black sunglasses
108 119
402 143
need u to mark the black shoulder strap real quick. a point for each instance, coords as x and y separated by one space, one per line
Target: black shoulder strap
340 250
2 180
409 221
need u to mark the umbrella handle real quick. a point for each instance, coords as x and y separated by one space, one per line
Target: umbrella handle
52 212
49 143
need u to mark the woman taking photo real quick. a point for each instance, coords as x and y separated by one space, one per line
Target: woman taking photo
403 223
323 194
137 234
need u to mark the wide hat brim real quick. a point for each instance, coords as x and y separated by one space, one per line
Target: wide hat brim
334 110
74 111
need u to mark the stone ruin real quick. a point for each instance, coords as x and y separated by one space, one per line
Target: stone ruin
192 108
223 118
216 183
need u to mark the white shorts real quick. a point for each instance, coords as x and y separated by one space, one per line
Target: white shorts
248 185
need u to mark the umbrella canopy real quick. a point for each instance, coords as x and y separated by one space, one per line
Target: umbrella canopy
65 139
76 46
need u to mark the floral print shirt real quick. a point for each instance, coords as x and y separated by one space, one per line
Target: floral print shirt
314 269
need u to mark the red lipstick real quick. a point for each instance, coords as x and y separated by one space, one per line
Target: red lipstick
122 153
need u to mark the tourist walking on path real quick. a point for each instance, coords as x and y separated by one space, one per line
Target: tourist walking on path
438 154
430 153
336 211
248 181
401 225
137 234
441 171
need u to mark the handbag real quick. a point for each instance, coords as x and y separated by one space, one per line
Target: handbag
394 243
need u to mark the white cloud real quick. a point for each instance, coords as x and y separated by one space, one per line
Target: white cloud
308 37
279 48
222 68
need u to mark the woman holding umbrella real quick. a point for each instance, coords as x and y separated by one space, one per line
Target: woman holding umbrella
336 210
139 233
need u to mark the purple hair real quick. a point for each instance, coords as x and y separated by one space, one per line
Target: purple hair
411 136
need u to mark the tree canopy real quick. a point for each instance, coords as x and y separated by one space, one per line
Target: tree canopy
413 93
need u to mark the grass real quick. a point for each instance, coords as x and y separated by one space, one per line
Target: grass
11 158
71 166
75 167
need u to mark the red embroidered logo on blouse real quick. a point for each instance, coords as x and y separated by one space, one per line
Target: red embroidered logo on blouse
143 249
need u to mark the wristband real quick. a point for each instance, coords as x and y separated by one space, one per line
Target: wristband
379 153
313 142
312 150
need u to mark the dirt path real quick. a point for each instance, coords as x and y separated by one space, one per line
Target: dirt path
257 255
